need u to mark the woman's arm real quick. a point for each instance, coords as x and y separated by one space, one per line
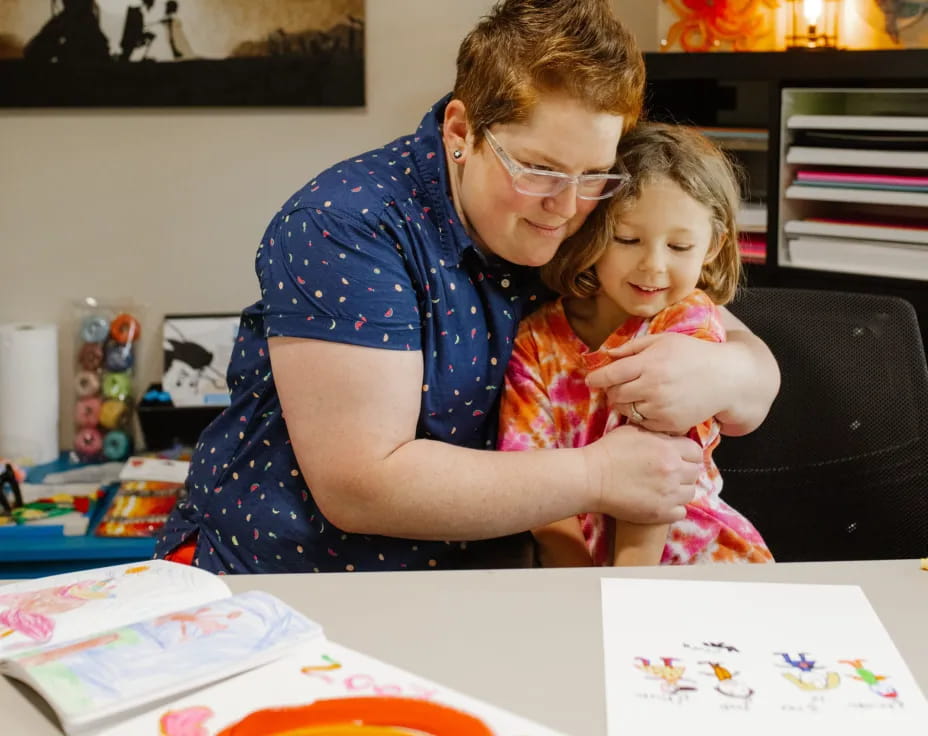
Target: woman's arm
753 380
351 414
676 381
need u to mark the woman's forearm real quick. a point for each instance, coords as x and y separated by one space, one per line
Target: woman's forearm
432 490
749 378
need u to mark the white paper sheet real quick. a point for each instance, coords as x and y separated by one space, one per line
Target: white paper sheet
769 658
323 675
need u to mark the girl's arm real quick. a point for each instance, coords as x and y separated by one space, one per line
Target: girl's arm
638 544
561 544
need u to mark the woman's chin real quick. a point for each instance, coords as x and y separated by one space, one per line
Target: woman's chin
535 257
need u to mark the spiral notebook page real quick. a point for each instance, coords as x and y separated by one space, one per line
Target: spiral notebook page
772 658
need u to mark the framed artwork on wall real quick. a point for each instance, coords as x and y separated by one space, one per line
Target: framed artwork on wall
155 53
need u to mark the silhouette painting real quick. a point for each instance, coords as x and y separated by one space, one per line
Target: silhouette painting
181 52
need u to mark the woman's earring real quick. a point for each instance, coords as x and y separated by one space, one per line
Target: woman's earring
457 154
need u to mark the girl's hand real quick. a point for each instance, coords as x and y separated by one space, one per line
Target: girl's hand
643 477
674 381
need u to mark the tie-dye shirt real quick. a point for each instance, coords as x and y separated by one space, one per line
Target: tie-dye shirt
547 404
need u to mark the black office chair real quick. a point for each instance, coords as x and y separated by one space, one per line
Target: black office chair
839 469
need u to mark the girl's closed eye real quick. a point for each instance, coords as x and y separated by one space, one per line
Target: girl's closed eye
626 239
680 247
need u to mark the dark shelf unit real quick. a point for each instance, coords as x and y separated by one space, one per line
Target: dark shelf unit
744 89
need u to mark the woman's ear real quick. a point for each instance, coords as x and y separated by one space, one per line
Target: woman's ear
456 131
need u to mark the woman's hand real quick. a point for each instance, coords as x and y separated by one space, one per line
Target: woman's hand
675 381
643 477
672 380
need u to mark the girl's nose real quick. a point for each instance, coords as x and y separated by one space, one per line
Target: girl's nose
653 261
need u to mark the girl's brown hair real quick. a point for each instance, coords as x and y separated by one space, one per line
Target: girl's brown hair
699 168
524 48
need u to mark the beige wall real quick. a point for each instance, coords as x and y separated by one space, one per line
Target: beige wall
166 206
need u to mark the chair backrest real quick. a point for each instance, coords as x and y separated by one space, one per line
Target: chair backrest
839 469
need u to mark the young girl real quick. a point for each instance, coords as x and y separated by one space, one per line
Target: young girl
657 257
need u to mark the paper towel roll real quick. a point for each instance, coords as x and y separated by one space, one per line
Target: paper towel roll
29 393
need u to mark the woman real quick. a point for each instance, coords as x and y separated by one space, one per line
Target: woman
365 382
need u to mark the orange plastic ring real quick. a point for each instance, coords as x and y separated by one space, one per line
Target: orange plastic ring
125 329
431 719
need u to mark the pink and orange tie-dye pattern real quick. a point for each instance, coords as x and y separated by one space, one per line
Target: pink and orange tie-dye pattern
548 404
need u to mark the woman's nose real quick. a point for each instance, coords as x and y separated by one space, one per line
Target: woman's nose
563 203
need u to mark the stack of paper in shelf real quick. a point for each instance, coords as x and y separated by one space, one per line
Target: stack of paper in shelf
752 232
888 248
860 186
858 194
748 146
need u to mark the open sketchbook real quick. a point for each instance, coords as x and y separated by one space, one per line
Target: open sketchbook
759 658
165 649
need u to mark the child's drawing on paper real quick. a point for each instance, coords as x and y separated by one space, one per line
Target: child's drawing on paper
75 605
756 665
351 681
728 684
318 670
185 722
32 613
670 675
202 622
384 716
872 681
805 675
154 655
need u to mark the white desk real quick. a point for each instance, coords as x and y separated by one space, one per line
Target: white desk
527 640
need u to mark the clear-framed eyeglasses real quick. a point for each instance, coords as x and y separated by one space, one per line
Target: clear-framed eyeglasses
541 183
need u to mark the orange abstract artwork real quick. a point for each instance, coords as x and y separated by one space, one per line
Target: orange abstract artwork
360 716
708 25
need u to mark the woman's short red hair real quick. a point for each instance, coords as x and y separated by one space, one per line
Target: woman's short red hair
525 48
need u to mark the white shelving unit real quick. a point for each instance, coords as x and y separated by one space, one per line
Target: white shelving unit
860 203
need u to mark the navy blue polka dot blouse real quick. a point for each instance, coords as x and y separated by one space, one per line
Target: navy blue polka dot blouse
368 253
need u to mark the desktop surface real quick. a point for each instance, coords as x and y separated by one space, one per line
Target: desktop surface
529 641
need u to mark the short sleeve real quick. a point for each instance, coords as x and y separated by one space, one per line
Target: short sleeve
526 416
696 315
328 276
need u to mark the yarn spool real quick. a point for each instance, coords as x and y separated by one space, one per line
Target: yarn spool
125 329
116 445
86 383
118 357
117 385
87 411
90 356
94 328
88 442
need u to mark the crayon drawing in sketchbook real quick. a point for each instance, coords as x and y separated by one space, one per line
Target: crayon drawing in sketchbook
165 649
63 607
